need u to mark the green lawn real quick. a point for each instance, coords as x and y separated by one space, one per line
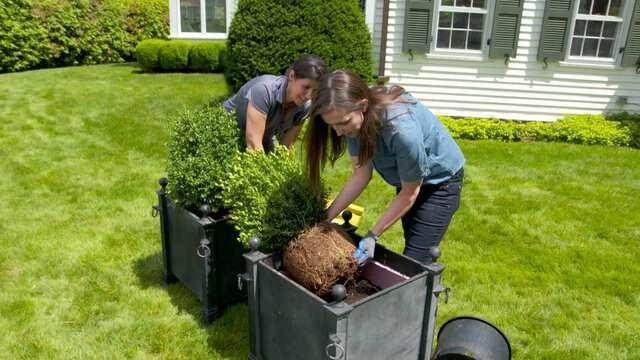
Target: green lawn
544 245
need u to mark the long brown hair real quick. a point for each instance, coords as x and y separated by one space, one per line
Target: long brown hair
345 90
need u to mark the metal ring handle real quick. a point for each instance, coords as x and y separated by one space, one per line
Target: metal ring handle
339 352
155 210
206 251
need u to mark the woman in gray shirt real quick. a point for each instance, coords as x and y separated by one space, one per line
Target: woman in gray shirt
271 106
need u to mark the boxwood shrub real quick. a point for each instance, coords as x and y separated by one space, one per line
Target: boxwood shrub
180 55
266 36
269 197
147 53
174 55
266 194
579 129
201 144
204 56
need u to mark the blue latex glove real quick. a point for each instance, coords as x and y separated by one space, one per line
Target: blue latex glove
366 247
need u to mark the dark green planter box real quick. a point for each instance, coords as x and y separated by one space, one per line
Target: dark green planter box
289 322
202 252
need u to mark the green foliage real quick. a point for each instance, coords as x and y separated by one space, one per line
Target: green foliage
204 56
266 36
631 122
180 55
269 197
579 129
50 33
174 55
201 144
147 53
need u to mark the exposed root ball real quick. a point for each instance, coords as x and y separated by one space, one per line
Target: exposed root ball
320 257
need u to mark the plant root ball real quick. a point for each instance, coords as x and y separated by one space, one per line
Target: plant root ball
320 257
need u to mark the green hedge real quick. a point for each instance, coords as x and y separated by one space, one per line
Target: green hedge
580 129
266 36
50 33
180 55
267 194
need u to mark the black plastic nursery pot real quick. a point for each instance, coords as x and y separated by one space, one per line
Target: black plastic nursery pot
471 338
288 322
202 252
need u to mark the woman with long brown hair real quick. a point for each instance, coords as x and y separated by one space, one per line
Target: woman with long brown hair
389 130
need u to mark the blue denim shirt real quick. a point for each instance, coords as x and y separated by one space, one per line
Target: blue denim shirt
412 145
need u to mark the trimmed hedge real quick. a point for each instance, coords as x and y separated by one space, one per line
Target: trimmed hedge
579 129
180 55
266 36
51 33
267 194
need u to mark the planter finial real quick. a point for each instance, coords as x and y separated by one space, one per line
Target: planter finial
254 243
163 182
338 292
205 210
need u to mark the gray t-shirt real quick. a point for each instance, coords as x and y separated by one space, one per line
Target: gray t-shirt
267 93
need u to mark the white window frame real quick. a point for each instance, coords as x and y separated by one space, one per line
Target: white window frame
175 28
462 54
619 42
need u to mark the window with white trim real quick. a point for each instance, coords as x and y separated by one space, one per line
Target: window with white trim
199 18
596 27
461 25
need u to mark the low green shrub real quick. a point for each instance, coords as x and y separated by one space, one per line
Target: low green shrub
174 55
579 129
201 144
631 122
269 197
204 56
147 53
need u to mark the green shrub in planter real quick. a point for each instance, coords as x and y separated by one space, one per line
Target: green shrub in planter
268 196
204 56
147 53
202 143
174 55
266 36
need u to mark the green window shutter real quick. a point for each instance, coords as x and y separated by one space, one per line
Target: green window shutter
632 47
555 29
417 25
506 25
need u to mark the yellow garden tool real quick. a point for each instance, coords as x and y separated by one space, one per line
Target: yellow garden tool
357 213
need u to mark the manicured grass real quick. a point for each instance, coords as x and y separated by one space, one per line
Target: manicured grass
544 244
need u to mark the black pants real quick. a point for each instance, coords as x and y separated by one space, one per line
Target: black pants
426 222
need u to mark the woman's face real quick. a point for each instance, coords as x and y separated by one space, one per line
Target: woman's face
300 90
343 121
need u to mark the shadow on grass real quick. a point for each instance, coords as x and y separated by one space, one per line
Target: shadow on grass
227 336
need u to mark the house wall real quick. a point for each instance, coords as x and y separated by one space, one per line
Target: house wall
521 90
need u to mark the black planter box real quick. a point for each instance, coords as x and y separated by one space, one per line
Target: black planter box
202 252
288 322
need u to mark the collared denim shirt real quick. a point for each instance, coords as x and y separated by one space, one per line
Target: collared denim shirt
267 93
412 145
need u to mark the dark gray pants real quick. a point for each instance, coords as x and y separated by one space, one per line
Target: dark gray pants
426 222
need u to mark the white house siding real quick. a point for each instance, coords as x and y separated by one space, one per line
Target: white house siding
522 90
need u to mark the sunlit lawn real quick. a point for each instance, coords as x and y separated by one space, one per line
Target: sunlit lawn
545 244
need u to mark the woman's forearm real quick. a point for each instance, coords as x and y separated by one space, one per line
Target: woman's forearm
398 207
351 190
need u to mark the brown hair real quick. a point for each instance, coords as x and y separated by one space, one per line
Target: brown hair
308 67
344 89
